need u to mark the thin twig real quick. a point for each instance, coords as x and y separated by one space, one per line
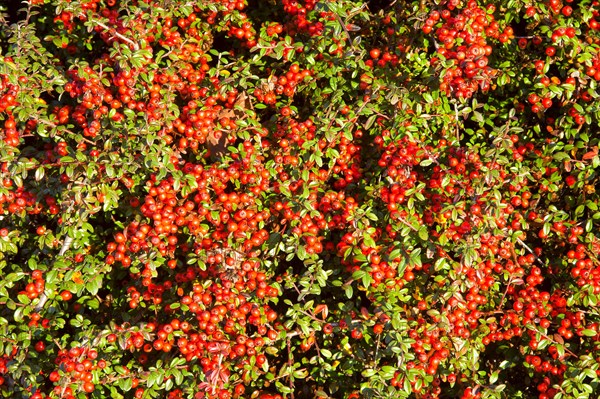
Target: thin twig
117 34
401 219
567 350
55 126
296 333
43 297
530 251
290 365
457 128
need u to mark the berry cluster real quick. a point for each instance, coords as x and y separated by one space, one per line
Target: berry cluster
35 288
8 100
282 85
243 31
5 360
217 319
593 23
291 206
21 201
300 21
75 371
462 38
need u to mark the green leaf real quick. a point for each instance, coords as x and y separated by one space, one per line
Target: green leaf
395 254
154 378
348 290
368 373
300 374
423 233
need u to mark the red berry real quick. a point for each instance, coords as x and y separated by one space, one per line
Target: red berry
66 295
88 387
40 346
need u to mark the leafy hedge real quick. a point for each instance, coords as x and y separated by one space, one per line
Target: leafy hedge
296 199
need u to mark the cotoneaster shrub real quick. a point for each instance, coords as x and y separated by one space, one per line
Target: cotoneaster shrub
299 199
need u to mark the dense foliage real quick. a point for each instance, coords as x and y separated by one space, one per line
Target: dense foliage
299 198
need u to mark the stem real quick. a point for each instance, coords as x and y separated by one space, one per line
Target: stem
530 251
457 128
567 351
66 245
311 316
290 364
501 304
55 126
43 297
117 34
295 333
345 30
377 348
407 224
